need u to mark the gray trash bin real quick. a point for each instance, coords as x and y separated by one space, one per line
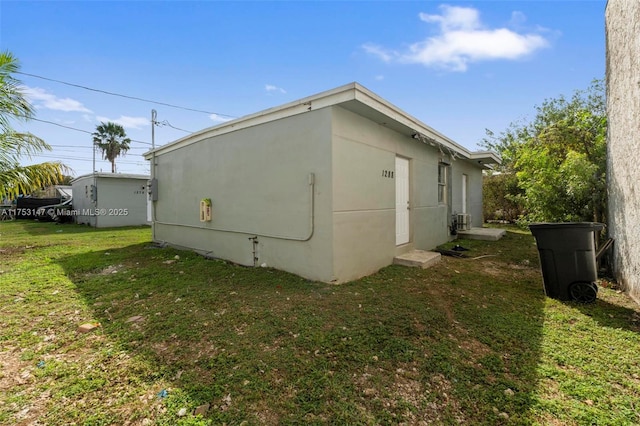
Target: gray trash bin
568 259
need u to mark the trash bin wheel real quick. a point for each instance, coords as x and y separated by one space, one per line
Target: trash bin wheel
583 291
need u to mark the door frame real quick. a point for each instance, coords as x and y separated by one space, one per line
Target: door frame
400 238
465 193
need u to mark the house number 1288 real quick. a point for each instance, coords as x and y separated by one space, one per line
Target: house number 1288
387 173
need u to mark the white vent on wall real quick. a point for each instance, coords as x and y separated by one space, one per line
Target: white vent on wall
464 222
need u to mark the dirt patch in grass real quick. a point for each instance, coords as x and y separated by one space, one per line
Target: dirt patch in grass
475 348
444 402
18 374
111 269
9 250
496 269
14 371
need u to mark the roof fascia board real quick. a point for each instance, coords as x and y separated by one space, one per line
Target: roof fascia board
488 156
112 176
332 97
376 102
348 92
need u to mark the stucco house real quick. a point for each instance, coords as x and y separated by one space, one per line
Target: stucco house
331 187
105 200
622 19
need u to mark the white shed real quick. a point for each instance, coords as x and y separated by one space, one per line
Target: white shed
106 200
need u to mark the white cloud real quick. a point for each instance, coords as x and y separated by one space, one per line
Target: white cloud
126 122
454 18
40 98
517 19
463 39
271 88
379 77
379 51
218 119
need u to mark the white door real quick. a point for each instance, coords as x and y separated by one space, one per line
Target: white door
464 193
402 201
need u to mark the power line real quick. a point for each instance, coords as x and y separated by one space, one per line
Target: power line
123 96
60 125
166 123
50 155
87 146
60 151
74 128
137 163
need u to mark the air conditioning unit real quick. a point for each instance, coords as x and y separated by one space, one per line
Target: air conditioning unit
464 222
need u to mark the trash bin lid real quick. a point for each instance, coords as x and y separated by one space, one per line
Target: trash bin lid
594 226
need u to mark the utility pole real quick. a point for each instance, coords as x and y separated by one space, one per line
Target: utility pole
94 185
93 143
153 181
154 115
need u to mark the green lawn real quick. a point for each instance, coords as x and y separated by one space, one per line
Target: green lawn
470 341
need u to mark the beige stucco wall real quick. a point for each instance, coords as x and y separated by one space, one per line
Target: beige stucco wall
364 199
461 167
258 181
121 201
623 150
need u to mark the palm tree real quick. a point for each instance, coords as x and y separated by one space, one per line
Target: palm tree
14 177
112 140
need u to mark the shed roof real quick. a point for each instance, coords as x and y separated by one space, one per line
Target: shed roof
353 97
112 176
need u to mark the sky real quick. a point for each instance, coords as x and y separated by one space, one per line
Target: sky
459 67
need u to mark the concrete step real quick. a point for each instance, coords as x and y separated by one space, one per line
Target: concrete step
417 258
486 234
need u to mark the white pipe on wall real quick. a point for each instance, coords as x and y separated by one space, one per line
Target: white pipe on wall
306 237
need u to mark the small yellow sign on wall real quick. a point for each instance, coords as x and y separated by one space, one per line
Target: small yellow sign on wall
205 210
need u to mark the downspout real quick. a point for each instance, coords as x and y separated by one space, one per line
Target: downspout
312 190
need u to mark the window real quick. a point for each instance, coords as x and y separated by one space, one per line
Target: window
442 183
